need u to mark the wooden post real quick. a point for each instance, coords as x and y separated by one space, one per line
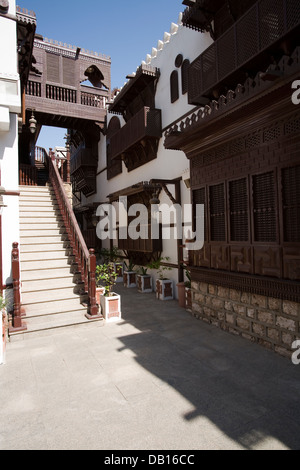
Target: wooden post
68 165
92 308
17 324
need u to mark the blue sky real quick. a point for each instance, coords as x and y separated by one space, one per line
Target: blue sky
124 30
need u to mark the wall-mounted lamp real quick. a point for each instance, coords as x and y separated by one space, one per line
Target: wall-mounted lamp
94 220
32 124
155 200
2 205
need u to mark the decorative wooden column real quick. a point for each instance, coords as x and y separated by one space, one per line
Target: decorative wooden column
17 323
93 307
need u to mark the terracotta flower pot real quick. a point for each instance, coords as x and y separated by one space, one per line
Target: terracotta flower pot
181 294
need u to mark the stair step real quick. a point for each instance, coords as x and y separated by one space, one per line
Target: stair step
46 274
76 319
54 307
43 247
46 264
32 204
42 232
41 240
44 255
48 284
32 218
40 297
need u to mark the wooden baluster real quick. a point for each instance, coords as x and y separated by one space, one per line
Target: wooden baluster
17 323
92 308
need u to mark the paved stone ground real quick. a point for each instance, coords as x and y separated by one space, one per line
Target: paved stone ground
159 380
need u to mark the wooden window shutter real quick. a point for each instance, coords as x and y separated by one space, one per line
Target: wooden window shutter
53 68
291 203
264 211
174 86
217 213
238 204
68 71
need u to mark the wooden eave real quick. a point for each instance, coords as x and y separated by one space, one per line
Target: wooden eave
233 113
143 77
26 27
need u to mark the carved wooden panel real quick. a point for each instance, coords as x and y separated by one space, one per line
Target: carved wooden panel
267 260
220 257
241 259
291 263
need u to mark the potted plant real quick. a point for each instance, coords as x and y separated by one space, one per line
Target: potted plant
110 301
144 281
113 256
129 275
164 286
3 316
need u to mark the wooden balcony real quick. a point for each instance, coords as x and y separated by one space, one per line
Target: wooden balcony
140 245
83 171
246 48
143 130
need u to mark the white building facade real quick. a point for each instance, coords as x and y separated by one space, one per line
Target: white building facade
168 61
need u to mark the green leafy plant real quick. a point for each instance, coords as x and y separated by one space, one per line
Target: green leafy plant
3 303
129 266
106 274
143 271
188 283
159 266
110 255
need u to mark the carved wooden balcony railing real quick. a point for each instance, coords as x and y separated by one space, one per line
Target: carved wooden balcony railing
136 142
245 48
83 171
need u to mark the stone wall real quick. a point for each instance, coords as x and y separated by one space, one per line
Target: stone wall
273 323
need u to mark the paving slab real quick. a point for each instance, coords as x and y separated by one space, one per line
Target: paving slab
157 380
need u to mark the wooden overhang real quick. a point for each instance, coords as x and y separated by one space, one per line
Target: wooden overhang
255 97
259 37
199 14
26 27
144 76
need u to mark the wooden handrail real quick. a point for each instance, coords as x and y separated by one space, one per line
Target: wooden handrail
85 259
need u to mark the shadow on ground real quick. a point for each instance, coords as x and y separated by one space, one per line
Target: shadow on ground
249 393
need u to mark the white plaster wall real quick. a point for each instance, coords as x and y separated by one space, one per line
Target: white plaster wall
169 164
8 43
9 143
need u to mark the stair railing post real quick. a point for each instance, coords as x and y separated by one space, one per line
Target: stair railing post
93 307
17 323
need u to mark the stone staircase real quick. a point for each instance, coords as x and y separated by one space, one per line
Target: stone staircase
51 292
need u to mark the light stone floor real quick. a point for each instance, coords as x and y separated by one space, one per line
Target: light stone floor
158 380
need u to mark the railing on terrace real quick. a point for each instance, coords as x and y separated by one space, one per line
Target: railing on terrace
68 95
146 123
258 29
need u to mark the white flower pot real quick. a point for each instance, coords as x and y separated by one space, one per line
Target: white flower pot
129 278
144 283
164 289
111 307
